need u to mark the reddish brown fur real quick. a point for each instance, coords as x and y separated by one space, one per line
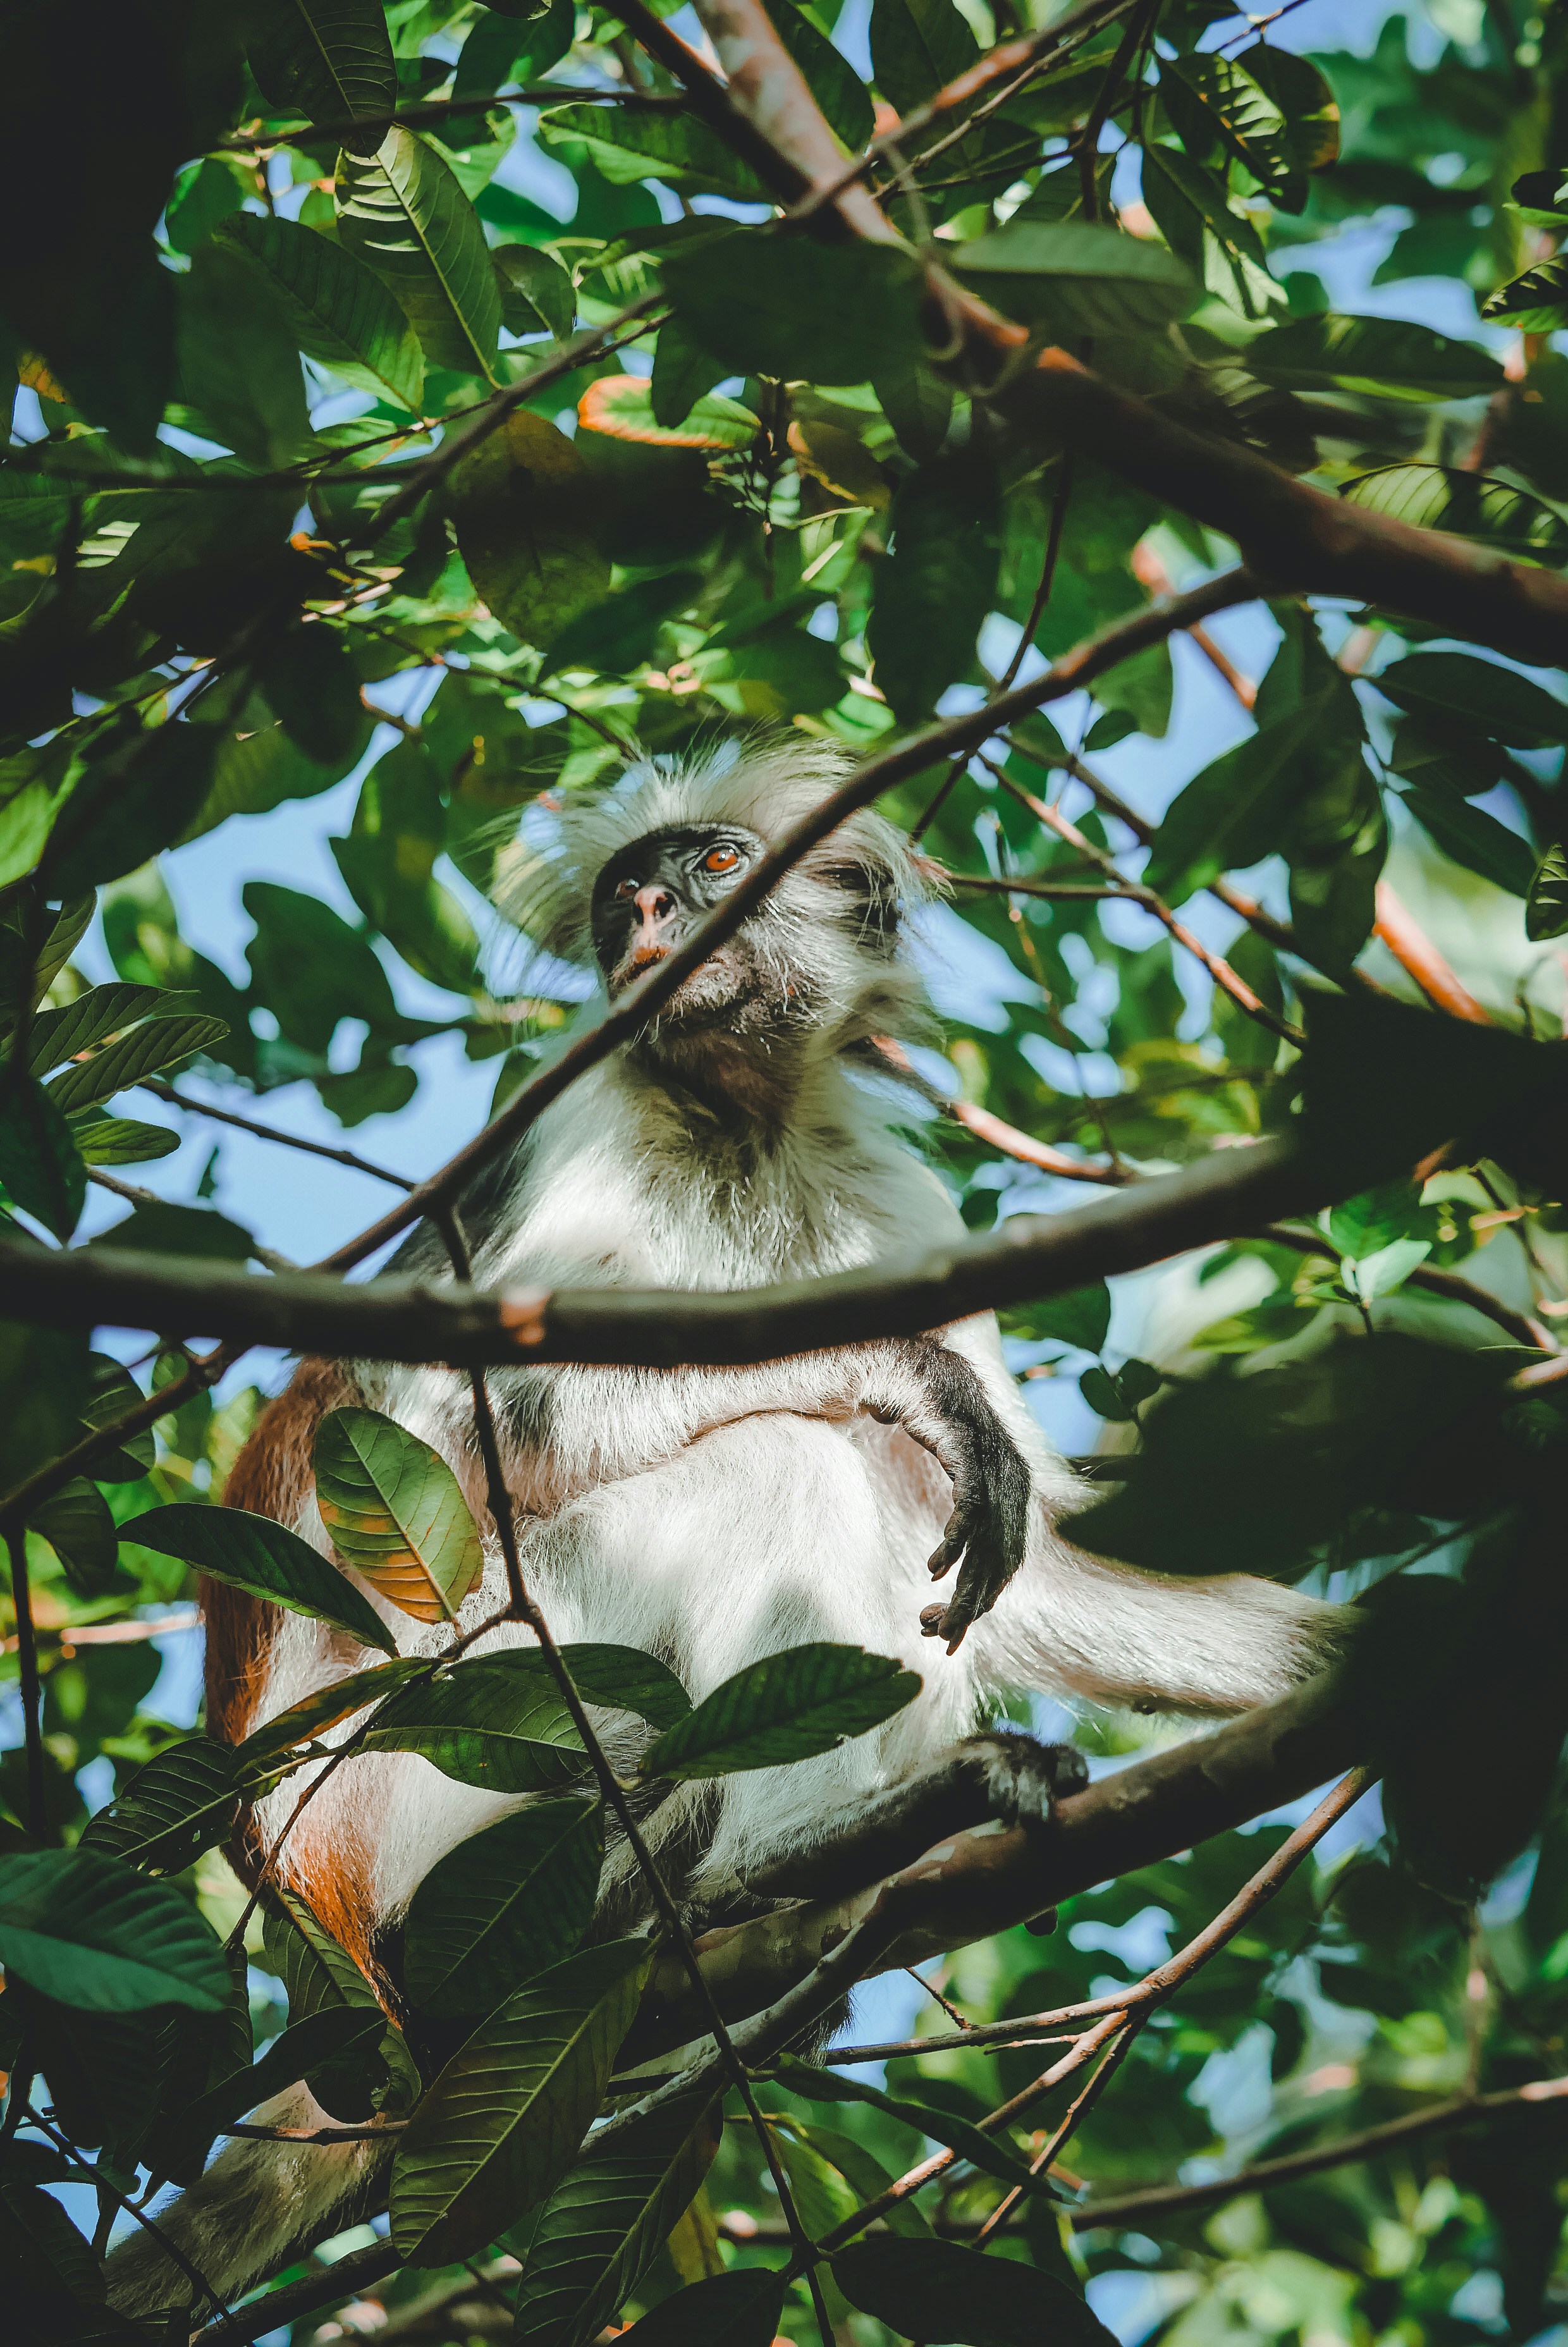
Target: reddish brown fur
273 1476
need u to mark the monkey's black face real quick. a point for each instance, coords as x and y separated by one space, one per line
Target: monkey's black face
649 898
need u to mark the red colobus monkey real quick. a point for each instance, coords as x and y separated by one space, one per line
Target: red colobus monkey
714 1516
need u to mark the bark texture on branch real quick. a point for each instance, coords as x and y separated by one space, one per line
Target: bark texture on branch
1031 1255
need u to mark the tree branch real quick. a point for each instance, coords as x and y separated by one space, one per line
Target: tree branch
1415 952
1435 1281
1158 2200
1226 1193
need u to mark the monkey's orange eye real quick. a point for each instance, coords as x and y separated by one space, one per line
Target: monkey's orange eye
719 859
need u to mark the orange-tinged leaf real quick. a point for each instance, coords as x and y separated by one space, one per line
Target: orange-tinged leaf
622 406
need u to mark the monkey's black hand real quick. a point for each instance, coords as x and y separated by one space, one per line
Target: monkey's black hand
987 1531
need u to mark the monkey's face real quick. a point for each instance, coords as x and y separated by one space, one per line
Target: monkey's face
651 895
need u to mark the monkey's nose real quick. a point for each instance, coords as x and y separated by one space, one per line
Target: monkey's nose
654 905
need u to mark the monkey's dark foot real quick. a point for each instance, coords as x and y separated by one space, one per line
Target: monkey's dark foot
1009 1777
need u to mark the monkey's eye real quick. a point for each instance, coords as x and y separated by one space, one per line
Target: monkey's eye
719 859
627 887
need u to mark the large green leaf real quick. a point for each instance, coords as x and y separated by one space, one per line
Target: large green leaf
1455 689
622 1679
630 145
121 1140
80 1528
261 1750
1075 276
1185 199
933 589
728 2309
80 1026
182 1803
41 1170
1383 358
502 2123
156 1045
238 377
1474 839
940 2290
806 1700
94 1933
402 212
1547 913
396 1513
1219 111
778 305
1236 810
1440 497
487 1722
608 2219
502 1906
917 46
523 508
1535 303
266 1560
331 59
339 310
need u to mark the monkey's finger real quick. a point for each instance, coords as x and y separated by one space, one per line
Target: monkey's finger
943 1559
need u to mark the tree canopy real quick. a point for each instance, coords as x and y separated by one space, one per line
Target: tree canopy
1136 433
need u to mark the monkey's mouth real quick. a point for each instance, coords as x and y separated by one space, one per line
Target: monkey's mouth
712 986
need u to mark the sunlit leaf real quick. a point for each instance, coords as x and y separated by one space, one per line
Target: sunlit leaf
396 1513
182 1803
1438 497
622 405
156 1045
403 213
1546 911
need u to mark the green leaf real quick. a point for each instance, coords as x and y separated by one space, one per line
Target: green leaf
864 2174
41 1170
1185 199
93 1933
917 46
121 1140
939 2290
1444 756
238 377
607 2220
158 1227
1535 303
338 310
502 2123
523 510
1438 496
1377 358
630 145
79 1026
728 2309
1105 1397
80 1528
327 58
1474 839
1455 687
503 1906
403 213
396 1513
1078 277
932 592
205 194
128 803
622 406
1546 910
182 1803
837 313
1303 97
488 1722
1236 810
265 1747
265 1559
310 970
618 634
156 1045
43 1383
538 280
1082 1319
787 1707
1219 111
321 1976
838 88
622 1679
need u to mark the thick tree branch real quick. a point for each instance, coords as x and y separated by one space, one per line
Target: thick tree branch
1225 1194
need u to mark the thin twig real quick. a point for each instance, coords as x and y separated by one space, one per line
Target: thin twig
441 109
166 1091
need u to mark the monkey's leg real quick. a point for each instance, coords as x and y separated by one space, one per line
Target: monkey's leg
1010 1778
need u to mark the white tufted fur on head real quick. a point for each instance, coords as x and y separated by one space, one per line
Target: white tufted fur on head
766 784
